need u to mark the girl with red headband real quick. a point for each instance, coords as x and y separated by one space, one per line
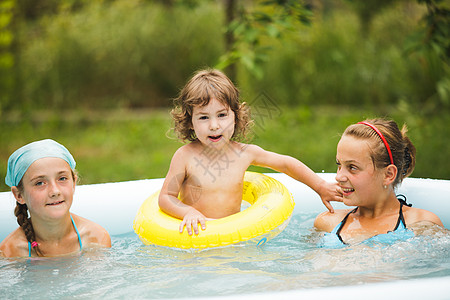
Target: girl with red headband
373 158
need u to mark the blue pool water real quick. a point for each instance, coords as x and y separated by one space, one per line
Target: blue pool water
131 270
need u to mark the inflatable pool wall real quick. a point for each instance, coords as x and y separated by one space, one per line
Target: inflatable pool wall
114 205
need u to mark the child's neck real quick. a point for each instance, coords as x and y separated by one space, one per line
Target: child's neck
52 230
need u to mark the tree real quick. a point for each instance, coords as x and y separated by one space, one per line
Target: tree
434 39
249 27
6 54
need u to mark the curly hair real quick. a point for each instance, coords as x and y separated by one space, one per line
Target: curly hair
199 90
403 151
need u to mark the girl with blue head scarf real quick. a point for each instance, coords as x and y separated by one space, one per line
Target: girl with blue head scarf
42 179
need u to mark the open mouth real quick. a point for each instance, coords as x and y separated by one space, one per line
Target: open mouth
214 138
55 203
347 191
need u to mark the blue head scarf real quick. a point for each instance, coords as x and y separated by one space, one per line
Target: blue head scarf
22 158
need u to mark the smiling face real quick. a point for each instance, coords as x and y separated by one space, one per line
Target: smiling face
213 123
360 181
48 187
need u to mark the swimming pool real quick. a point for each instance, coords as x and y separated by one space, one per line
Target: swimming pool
289 266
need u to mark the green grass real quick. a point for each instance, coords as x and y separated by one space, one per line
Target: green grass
129 145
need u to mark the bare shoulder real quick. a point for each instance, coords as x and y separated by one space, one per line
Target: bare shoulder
91 233
187 149
254 152
250 148
414 215
186 153
326 221
14 245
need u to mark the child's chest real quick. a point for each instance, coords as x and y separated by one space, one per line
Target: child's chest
359 229
211 168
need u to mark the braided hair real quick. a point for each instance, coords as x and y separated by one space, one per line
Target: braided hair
21 213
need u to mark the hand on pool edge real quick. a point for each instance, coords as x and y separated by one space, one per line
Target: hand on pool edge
191 220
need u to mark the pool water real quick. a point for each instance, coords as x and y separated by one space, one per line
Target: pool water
290 261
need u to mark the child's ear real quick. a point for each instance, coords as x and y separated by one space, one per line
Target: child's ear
18 195
390 174
75 180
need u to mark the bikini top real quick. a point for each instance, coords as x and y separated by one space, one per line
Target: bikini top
76 230
333 239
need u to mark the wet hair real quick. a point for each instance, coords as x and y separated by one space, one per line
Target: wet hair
403 151
199 90
21 213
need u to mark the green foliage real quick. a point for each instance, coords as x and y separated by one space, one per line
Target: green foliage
118 54
433 41
133 54
253 25
436 38
130 145
6 54
330 62
367 10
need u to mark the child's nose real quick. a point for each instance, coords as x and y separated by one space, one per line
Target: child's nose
213 124
340 176
54 189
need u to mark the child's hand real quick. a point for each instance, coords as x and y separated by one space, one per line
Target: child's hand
191 220
328 192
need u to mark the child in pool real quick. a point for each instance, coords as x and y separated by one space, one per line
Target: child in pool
42 179
373 158
207 173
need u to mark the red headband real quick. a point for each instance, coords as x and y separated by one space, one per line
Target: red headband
382 138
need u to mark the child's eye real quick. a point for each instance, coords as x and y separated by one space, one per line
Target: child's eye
222 115
338 165
63 178
39 183
352 168
203 118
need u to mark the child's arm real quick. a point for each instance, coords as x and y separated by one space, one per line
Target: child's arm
168 197
297 170
14 245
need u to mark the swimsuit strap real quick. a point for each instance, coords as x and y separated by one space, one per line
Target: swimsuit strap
342 225
401 219
402 200
76 230
78 234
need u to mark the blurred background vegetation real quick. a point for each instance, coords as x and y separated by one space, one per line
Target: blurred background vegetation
99 75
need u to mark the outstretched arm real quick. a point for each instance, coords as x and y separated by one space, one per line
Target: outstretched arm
299 171
168 198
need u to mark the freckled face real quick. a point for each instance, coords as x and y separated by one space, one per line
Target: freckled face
213 123
48 188
361 183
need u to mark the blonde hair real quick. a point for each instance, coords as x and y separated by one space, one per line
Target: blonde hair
403 151
199 90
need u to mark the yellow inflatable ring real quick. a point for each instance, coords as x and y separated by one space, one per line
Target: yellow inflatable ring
270 211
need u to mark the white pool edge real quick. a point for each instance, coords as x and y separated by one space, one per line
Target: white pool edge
414 289
114 206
